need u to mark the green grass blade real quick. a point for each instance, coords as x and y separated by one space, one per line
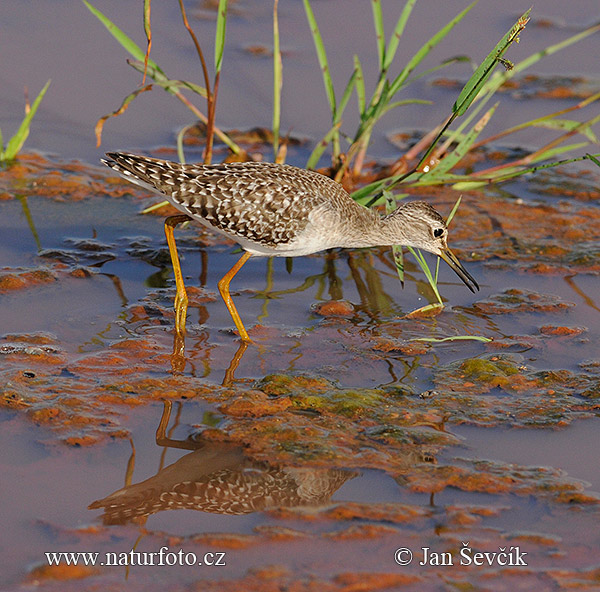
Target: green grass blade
593 158
374 110
426 48
277 81
549 119
580 127
395 104
484 71
505 174
180 137
1 147
322 57
440 66
453 211
170 85
452 159
392 47
390 206
15 144
127 43
501 77
455 338
379 31
318 150
360 85
346 96
550 165
370 189
156 206
568 125
423 265
556 150
220 34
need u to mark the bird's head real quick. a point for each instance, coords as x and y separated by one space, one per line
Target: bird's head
418 225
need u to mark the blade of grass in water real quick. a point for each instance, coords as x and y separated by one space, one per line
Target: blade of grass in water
180 136
170 85
155 207
430 278
321 56
359 84
379 31
390 206
392 46
346 96
453 211
318 150
277 82
551 120
220 35
455 338
501 77
476 83
36 237
16 142
466 98
327 81
333 134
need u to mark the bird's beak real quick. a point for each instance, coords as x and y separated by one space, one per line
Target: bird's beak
450 258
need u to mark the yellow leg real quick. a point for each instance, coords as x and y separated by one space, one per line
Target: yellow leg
224 290
181 299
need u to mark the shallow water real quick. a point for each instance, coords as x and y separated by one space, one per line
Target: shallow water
360 438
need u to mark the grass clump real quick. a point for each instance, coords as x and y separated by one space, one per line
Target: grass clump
434 160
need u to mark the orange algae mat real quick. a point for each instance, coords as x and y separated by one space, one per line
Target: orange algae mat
342 384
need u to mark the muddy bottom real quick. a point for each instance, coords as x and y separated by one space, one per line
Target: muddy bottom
350 437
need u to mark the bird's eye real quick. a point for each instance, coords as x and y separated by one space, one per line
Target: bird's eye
438 232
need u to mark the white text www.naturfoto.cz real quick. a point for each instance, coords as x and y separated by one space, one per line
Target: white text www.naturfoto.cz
160 558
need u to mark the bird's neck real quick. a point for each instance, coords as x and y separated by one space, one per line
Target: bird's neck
366 228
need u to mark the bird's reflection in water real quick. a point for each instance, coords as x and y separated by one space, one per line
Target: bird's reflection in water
218 478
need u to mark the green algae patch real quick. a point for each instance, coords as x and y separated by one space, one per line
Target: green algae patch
322 396
493 372
347 403
503 388
276 385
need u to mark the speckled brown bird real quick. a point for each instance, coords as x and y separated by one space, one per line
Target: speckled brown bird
280 210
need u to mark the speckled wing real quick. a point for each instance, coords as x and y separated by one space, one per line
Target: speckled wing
264 203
